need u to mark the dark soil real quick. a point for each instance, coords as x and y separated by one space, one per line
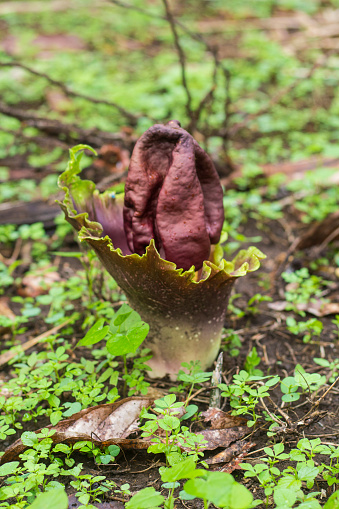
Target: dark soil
279 351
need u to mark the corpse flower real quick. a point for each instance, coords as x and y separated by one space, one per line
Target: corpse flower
159 242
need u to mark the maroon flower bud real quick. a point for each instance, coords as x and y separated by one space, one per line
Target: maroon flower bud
172 195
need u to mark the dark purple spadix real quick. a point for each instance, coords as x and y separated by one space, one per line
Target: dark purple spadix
172 195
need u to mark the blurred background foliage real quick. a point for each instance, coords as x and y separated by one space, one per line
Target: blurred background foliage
263 76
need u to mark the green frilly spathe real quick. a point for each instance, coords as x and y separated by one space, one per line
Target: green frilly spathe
186 316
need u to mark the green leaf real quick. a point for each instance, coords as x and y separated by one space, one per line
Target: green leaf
73 408
105 459
190 411
68 254
95 334
333 501
145 499
122 344
54 498
310 504
121 318
55 417
278 448
284 497
185 469
29 438
53 401
8 468
220 489
289 384
288 398
114 450
129 318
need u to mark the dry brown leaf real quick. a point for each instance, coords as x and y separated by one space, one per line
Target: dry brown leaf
103 425
236 449
7 312
234 463
317 308
220 419
5 309
222 437
38 283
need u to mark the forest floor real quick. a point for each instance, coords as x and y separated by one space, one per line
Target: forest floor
258 88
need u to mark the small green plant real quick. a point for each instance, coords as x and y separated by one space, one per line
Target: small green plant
101 456
37 471
164 420
252 307
313 328
90 488
306 288
232 342
189 378
333 367
254 303
285 484
307 382
216 488
245 392
251 363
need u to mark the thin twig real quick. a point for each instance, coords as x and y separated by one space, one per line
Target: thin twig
129 116
182 57
316 403
213 50
54 128
203 389
285 416
10 354
273 417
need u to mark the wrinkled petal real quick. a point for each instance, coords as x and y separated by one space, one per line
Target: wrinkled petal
213 195
180 213
174 196
108 211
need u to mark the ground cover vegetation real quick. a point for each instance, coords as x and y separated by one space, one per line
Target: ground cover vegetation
82 421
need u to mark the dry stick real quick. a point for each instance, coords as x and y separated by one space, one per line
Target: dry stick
54 127
209 97
194 35
316 403
328 239
216 379
39 140
325 393
181 55
129 116
273 417
10 354
203 389
285 416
